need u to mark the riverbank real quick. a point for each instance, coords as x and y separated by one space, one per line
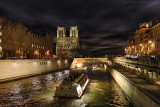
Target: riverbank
141 92
16 69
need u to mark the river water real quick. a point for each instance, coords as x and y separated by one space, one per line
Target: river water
38 91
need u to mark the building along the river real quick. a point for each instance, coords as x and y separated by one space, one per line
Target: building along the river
16 41
145 41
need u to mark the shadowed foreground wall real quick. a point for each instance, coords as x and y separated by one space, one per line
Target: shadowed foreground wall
15 69
139 97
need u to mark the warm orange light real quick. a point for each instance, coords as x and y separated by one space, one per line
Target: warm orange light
36 52
48 52
150 41
132 46
140 44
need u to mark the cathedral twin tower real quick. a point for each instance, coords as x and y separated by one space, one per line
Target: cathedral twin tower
61 31
67 46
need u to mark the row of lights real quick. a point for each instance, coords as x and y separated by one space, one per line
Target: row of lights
34 45
141 44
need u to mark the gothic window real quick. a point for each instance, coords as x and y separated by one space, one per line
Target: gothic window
59 33
74 33
62 32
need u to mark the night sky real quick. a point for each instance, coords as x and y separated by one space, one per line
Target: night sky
104 25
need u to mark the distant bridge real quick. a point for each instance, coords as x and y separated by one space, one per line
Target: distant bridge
92 63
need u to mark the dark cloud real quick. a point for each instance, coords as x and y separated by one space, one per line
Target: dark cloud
104 25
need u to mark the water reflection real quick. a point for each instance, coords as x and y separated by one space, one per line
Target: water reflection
35 84
39 91
15 89
49 80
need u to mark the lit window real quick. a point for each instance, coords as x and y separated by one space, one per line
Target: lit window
0 48
0 40
32 45
147 25
0 33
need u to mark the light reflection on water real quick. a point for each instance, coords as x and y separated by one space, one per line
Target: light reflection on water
39 91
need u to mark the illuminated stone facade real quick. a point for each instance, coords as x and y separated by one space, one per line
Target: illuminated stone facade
145 41
17 42
68 46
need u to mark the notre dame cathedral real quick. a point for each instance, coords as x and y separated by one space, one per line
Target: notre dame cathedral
68 47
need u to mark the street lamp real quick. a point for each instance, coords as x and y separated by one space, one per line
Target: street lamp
47 53
36 53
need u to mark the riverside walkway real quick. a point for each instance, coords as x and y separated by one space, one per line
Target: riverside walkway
151 90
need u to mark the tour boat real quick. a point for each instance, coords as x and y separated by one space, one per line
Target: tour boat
72 86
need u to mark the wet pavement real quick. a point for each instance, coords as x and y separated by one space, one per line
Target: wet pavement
38 91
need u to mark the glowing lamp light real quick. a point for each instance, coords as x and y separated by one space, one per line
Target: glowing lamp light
147 25
49 61
152 44
66 61
150 41
47 52
140 44
59 61
132 46
15 62
79 65
35 62
36 52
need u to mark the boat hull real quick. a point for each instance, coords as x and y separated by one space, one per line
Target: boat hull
74 89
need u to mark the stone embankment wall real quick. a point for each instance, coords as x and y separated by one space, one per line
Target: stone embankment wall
139 97
15 69
142 61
